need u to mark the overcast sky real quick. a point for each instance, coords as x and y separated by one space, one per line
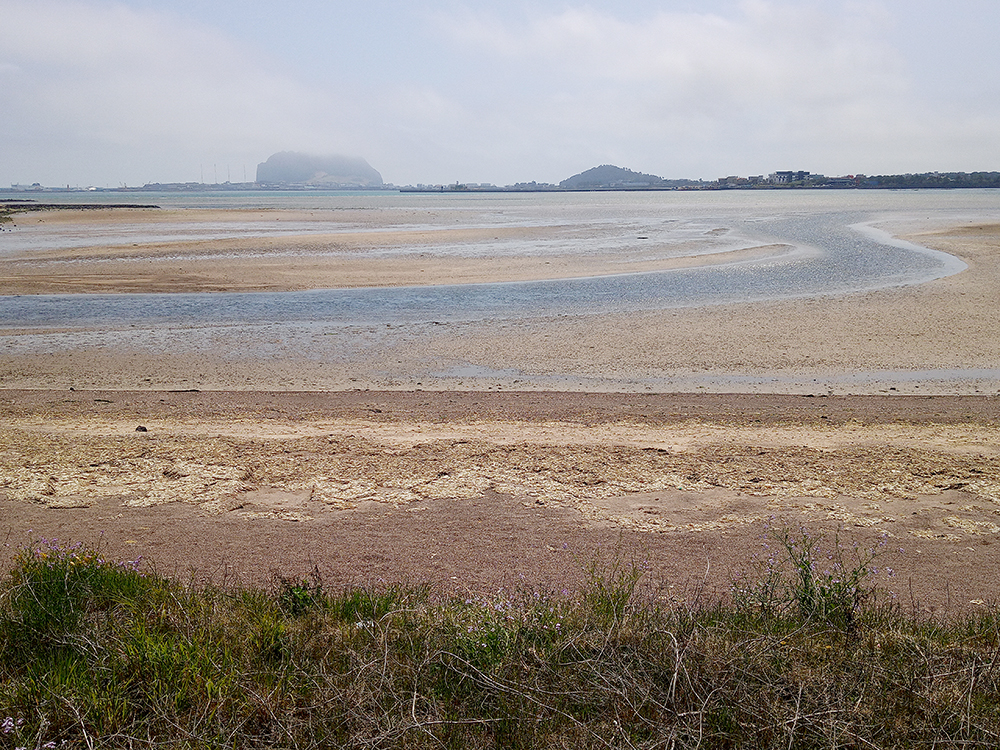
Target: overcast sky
105 93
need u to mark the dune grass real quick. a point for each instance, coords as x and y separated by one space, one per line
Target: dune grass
96 653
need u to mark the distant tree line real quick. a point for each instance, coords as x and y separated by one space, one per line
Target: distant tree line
934 180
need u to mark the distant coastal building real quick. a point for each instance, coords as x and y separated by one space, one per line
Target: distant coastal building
733 181
787 178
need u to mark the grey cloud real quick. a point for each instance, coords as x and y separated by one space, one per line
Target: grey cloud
142 85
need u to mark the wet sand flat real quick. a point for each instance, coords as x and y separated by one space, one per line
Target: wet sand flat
936 338
252 253
927 338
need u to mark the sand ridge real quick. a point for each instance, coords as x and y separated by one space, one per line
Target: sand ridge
390 248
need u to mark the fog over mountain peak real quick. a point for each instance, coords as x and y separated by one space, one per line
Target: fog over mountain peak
294 168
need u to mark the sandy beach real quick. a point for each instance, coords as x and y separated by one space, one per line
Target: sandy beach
869 415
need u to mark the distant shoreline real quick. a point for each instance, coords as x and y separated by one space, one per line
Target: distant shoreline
451 190
922 181
10 206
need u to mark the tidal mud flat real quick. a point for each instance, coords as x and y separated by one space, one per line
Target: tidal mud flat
480 296
478 452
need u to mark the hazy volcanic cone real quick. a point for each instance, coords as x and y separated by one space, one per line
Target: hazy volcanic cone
291 168
609 177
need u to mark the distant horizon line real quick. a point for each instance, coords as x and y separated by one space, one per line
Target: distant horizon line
782 179
777 179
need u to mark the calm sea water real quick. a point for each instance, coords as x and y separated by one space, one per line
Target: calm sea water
838 250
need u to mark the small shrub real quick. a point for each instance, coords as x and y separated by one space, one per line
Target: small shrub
828 585
297 597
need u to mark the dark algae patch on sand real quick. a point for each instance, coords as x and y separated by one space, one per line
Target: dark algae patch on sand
101 653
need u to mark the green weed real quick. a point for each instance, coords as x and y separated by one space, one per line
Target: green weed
94 653
53 588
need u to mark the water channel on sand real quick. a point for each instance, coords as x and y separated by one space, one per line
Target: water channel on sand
820 245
